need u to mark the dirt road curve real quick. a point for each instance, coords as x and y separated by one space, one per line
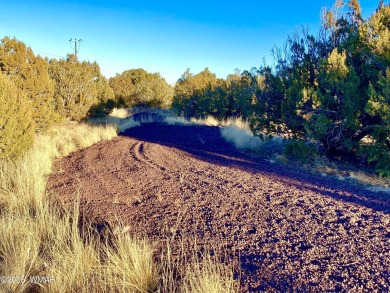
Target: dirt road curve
290 230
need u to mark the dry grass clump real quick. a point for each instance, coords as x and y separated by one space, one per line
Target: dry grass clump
208 121
177 121
194 270
206 276
43 248
68 138
378 183
130 255
120 113
238 133
121 124
241 138
23 183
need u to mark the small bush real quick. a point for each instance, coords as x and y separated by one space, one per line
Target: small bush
242 139
301 150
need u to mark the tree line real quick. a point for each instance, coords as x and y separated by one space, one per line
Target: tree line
36 92
329 92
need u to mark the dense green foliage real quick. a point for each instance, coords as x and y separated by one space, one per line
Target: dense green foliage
204 94
30 74
332 90
78 87
137 87
35 93
16 124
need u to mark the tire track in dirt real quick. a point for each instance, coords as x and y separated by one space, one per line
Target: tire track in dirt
285 229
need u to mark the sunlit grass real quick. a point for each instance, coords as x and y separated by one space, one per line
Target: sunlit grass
238 133
192 270
204 275
130 266
121 124
120 113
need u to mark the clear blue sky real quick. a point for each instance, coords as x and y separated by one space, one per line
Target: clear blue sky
162 36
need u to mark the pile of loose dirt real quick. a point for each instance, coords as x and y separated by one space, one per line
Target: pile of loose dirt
285 228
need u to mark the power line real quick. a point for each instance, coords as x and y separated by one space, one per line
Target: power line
50 54
98 50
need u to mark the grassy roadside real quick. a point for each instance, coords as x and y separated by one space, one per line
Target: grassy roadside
42 248
238 133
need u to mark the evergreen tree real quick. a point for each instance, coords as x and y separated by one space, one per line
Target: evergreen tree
190 93
76 88
137 87
105 95
16 124
334 89
30 74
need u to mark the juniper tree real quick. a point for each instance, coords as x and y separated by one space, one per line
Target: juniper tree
75 87
190 90
334 89
105 100
16 124
138 87
30 74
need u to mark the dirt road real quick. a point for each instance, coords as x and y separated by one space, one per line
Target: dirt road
287 229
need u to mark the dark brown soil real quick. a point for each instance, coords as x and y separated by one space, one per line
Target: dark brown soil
288 230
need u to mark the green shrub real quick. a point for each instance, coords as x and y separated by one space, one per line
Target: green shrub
301 150
30 74
333 88
137 87
16 124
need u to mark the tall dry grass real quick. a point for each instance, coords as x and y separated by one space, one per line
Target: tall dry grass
121 124
209 121
193 270
43 249
38 238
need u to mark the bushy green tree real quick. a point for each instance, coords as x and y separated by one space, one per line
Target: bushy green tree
137 87
204 94
243 90
194 93
378 108
153 91
105 95
16 124
30 74
333 89
76 87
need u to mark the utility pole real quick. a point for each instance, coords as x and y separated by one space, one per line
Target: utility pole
75 45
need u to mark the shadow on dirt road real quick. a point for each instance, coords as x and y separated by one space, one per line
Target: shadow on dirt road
206 143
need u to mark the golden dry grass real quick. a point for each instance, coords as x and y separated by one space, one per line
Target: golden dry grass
196 272
120 113
208 121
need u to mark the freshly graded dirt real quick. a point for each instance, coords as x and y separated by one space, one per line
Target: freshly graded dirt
284 228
